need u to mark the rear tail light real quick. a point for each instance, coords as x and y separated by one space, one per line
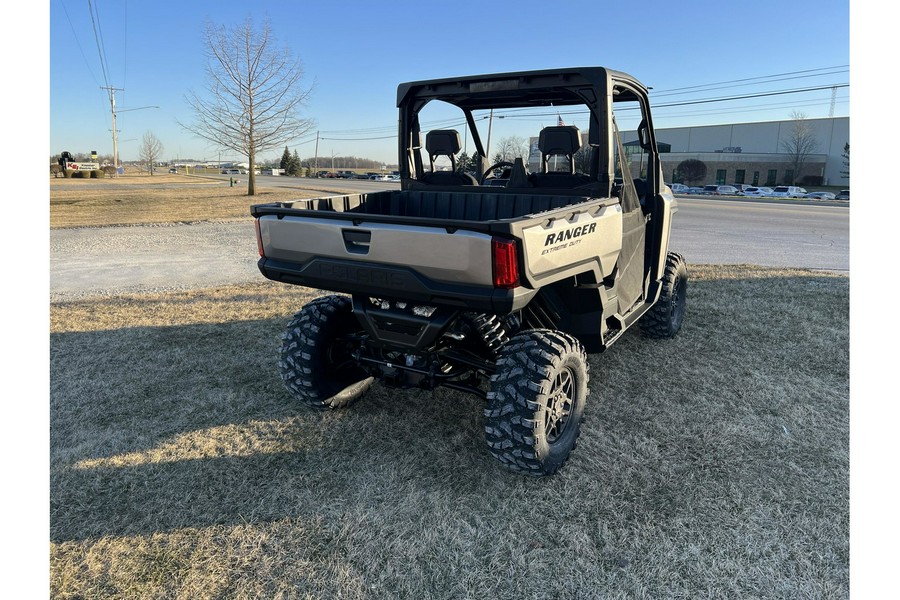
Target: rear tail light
505 261
259 244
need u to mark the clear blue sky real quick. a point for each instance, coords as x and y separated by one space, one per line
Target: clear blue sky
355 54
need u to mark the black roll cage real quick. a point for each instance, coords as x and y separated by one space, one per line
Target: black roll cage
595 87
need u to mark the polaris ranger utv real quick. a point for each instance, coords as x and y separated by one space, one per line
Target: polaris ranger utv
497 283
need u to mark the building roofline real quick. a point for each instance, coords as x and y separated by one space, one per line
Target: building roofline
847 117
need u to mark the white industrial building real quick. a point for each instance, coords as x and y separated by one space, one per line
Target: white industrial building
757 148
752 153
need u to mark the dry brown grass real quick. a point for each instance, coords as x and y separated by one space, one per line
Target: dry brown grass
714 465
163 198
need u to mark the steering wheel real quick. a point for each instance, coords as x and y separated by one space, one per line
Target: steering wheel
493 167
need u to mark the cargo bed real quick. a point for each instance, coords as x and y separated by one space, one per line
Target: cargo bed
474 207
434 246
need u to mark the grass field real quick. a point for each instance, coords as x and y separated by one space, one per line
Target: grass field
163 198
714 465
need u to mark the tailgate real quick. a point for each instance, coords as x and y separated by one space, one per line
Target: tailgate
459 257
370 254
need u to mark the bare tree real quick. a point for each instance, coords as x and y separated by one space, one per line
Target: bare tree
151 150
513 147
692 170
799 145
582 159
845 172
253 93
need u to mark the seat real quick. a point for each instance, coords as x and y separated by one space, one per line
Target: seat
518 176
445 142
560 140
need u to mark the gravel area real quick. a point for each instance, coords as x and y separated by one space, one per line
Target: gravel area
107 261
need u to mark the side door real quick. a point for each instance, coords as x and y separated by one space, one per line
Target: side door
632 191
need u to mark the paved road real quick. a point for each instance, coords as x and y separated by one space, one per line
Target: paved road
100 261
762 233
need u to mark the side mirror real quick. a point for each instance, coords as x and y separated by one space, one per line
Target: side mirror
644 135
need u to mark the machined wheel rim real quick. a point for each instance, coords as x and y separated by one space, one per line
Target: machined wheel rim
560 403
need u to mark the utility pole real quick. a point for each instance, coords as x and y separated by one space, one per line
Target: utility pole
488 149
112 107
317 154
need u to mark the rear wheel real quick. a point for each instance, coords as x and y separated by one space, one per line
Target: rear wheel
536 402
316 362
665 318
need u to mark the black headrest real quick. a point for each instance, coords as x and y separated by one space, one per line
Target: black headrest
562 139
442 142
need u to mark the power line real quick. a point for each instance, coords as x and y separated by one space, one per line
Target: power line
78 42
334 139
757 95
584 112
98 39
742 109
728 87
802 74
125 46
372 133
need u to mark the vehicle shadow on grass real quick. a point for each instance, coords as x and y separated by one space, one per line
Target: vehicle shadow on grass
160 428
155 428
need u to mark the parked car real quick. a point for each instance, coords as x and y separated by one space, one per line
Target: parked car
694 191
726 190
173 170
678 188
742 186
757 192
843 195
788 191
820 196
719 190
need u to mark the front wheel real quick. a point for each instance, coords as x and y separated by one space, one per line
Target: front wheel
536 402
316 362
665 318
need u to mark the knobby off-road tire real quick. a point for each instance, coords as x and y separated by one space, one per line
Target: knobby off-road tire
536 402
316 365
665 318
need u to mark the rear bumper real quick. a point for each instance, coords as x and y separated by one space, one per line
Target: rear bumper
352 277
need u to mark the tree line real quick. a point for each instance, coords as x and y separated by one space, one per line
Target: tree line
294 165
